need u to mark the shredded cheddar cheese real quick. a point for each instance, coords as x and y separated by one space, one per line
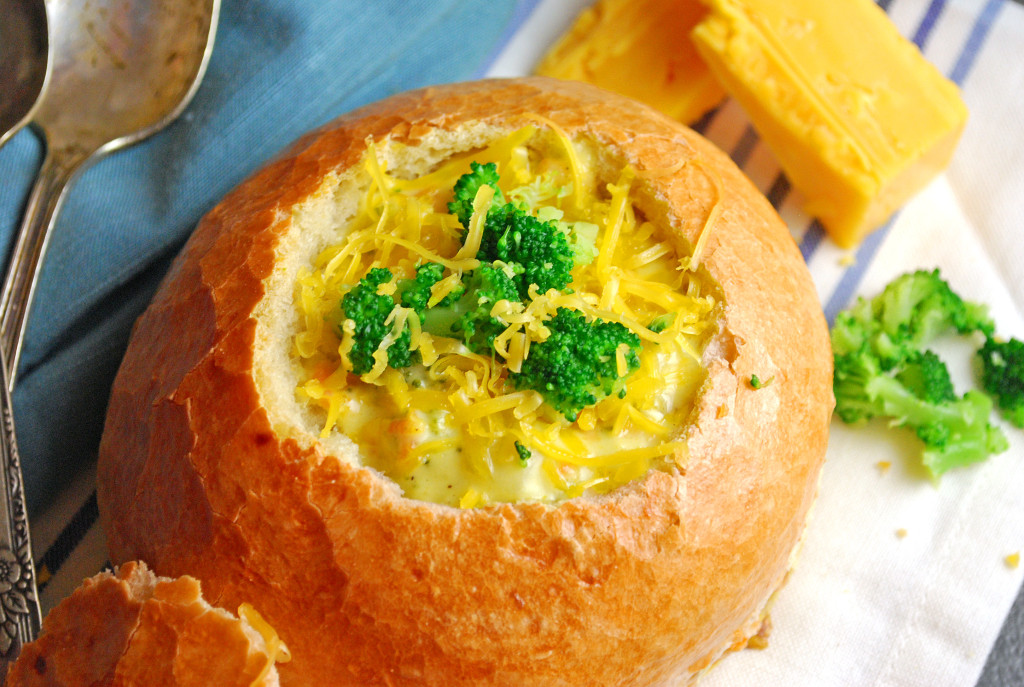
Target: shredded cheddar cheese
570 154
450 429
476 225
693 261
277 651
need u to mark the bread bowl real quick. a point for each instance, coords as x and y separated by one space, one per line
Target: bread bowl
218 460
133 628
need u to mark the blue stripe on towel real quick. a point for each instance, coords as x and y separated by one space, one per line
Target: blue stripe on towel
851 278
931 18
69 538
778 191
745 146
811 239
975 40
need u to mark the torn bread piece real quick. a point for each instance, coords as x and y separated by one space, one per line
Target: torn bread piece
134 628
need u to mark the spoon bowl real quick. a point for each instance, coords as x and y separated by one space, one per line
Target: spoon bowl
24 62
122 70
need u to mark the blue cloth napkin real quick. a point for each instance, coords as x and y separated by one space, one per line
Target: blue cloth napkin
279 68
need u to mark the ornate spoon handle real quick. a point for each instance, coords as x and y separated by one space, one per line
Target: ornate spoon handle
59 167
20 617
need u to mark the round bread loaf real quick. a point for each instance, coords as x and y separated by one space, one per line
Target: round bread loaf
210 467
133 628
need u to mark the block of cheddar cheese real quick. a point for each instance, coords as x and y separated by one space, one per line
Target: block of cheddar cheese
639 49
858 119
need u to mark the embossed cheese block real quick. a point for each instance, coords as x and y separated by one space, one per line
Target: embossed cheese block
858 119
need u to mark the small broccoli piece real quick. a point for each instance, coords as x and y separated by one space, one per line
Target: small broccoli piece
539 248
582 237
576 366
882 370
927 377
662 322
523 452
368 311
1002 375
468 315
852 372
467 186
415 293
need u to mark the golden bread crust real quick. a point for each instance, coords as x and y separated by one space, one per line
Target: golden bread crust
644 586
133 628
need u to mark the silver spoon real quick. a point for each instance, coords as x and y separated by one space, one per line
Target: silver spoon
24 68
24 62
122 70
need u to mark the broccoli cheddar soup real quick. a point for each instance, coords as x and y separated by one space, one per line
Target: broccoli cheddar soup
504 324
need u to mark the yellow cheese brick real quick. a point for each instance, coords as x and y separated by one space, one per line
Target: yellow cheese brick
639 48
856 116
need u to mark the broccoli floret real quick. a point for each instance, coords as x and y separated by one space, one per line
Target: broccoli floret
463 314
467 186
955 432
581 236
576 366
468 315
882 370
927 377
852 372
540 249
919 396
368 311
913 310
1002 375
415 293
